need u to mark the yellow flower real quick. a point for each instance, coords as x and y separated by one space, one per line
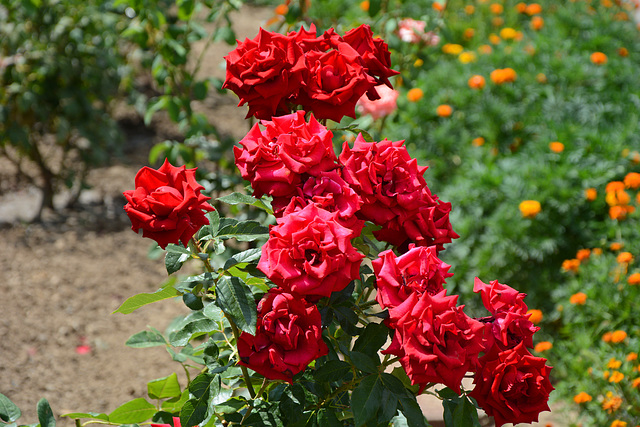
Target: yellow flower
508 33
530 208
611 402
466 57
452 49
418 63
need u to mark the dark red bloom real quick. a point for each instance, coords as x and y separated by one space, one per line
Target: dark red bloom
167 204
288 337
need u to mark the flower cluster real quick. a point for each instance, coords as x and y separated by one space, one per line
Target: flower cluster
326 74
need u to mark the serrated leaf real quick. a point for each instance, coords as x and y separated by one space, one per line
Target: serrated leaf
249 255
364 362
243 231
230 406
146 339
236 300
134 411
372 339
327 418
175 405
90 415
460 411
366 399
45 414
9 412
140 300
241 198
204 387
214 221
199 326
332 370
164 388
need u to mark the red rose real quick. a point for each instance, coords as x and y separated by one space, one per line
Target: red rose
310 253
385 176
166 204
337 79
509 323
374 52
329 192
310 41
417 272
435 340
429 225
512 386
273 160
288 337
265 72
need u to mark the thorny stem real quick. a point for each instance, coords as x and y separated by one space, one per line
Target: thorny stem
234 327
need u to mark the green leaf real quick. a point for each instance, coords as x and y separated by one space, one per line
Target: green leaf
164 388
459 411
249 255
146 339
333 370
214 222
204 387
175 405
174 261
241 198
213 312
185 9
235 298
90 415
45 414
157 105
327 418
374 7
135 302
230 406
197 326
366 399
243 231
364 362
372 339
132 412
9 412
412 412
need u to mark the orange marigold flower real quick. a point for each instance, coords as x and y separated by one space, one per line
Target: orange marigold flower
590 194
620 212
496 8
533 9
624 257
571 265
469 9
364 5
583 254
617 198
478 142
494 38
444 110
634 279
618 423
530 208
614 186
616 377
415 94
598 58
485 49
596 251
503 75
616 246
556 147
541 78
579 298
618 336
537 23
635 383
476 82
468 33
437 6
632 356
623 51
632 180
497 21
582 397
606 374
543 346
535 316
614 363
611 402
521 7
606 3
281 9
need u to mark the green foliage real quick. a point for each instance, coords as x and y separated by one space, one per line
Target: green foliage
61 68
